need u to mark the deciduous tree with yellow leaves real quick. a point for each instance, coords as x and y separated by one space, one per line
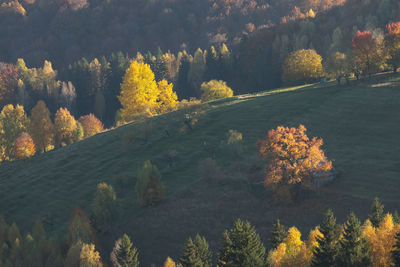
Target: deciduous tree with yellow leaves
65 127
141 95
41 127
13 121
303 65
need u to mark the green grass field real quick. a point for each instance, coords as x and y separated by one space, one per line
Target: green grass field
360 125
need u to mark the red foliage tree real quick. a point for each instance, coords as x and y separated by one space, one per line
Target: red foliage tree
294 159
91 125
366 52
392 44
24 146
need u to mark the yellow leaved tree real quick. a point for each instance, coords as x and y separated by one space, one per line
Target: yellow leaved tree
381 240
140 94
167 98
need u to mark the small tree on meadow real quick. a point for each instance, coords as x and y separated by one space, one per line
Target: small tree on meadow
104 205
24 147
241 246
214 89
124 254
293 160
302 65
79 228
148 185
91 125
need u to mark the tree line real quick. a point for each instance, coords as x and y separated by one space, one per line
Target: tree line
376 242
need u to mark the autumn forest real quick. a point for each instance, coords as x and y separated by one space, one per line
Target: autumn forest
199 133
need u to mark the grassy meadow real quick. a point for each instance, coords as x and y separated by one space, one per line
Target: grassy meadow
360 126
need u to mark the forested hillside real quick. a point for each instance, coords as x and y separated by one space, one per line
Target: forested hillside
64 31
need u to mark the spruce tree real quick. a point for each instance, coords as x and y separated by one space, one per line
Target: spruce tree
327 250
396 217
124 254
396 251
278 233
241 246
377 213
353 247
196 253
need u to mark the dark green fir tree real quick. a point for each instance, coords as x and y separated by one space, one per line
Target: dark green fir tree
326 252
196 253
241 246
377 213
354 250
124 254
278 233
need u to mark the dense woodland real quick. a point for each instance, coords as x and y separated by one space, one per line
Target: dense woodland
73 69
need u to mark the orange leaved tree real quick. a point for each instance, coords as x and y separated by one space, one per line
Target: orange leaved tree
294 160
24 146
91 125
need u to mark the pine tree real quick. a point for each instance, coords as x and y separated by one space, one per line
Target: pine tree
190 256
123 254
241 246
396 251
353 246
278 233
396 217
377 213
326 252
196 253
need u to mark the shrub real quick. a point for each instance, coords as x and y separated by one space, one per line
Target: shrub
148 185
214 89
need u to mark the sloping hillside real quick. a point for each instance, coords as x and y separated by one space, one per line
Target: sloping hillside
359 124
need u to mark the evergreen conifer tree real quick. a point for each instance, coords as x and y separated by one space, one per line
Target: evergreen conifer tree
279 233
124 254
396 217
196 253
396 251
241 246
353 246
326 252
377 213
